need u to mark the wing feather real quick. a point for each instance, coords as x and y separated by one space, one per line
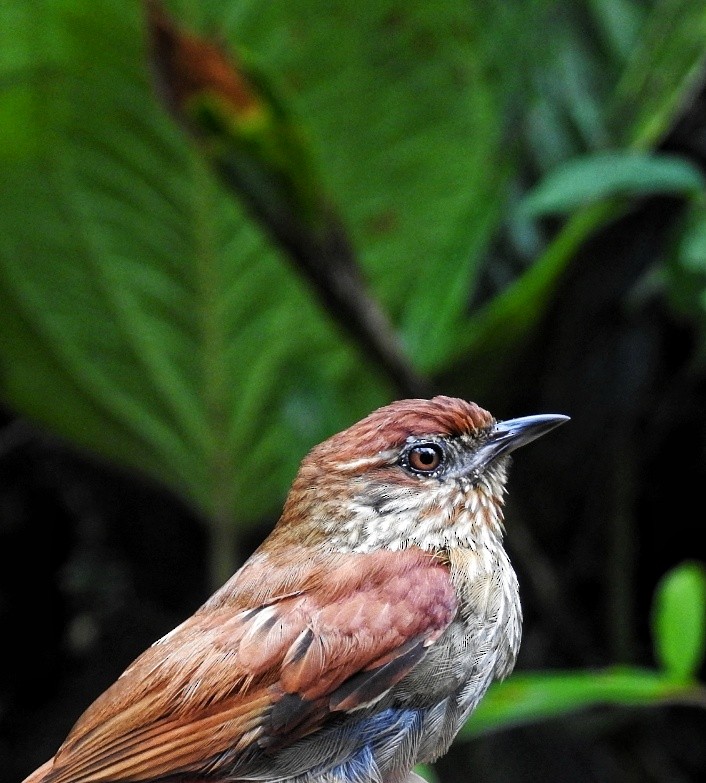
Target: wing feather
237 677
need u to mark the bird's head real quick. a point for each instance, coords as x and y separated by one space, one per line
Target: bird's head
427 473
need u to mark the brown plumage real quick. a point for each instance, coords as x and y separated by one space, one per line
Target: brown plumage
353 642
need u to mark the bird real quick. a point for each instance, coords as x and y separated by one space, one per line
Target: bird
357 638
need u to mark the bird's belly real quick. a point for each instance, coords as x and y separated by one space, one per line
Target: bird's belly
456 675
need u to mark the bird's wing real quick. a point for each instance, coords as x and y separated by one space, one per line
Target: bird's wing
259 667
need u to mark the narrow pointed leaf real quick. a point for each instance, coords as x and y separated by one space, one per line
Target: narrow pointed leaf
679 621
528 698
589 179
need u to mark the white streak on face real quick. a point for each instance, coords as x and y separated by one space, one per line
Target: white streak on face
356 465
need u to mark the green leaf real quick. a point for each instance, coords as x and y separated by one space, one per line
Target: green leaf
147 318
408 123
427 772
620 22
527 698
144 316
683 276
679 620
664 68
692 251
589 179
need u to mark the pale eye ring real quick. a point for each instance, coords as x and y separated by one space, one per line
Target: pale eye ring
424 458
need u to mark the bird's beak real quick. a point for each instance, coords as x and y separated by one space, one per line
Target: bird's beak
506 436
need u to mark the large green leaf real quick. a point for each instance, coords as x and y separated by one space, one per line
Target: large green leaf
143 315
409 126
146 317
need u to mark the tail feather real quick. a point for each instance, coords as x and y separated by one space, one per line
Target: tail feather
40 773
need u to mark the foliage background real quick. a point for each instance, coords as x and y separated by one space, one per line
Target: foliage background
522 184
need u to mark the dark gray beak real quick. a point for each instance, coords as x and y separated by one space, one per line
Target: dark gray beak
506 436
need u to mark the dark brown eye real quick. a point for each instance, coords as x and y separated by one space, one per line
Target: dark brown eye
425 458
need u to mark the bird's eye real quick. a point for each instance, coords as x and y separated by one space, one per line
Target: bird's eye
425 458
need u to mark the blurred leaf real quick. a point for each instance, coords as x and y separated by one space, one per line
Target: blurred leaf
679 621
664 67
526 698
620 22
570 79
146 317
407 116
589 179
427 772
693 249
665 59
684 273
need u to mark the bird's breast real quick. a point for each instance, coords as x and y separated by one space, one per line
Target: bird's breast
479 646
489 616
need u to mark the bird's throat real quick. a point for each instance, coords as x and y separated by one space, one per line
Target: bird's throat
454 515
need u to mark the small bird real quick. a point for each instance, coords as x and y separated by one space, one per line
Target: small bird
355 641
